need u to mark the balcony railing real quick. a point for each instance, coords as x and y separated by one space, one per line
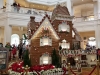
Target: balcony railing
82 19
24 10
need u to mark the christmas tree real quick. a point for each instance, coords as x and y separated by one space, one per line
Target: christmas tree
26 58
55 58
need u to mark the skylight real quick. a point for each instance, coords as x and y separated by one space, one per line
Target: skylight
46 2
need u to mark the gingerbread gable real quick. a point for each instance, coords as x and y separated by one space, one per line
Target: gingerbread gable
61 13
46 24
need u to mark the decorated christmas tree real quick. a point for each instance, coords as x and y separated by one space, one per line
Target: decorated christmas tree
26 58
55 58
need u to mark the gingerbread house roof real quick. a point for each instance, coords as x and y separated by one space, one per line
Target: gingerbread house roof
77 36
62 10
45 19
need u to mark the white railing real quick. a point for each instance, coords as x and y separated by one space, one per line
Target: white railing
66 52
82 19
24 10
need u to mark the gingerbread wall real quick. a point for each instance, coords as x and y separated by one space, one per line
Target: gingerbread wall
36 50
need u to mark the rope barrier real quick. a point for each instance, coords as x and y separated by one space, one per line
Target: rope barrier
92 70
72 71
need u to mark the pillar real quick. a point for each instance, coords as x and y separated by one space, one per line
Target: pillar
97 35
97 27
7 33
1 3
8 5
69 5
97 9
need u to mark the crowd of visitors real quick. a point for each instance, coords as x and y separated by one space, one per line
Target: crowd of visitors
16 6
16 51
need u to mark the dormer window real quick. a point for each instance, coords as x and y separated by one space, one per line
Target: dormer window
45 41
64 27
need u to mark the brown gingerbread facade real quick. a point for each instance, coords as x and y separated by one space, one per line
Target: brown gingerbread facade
49 33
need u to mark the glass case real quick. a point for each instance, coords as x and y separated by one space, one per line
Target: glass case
3 58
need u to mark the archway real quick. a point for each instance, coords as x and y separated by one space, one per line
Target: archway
15 39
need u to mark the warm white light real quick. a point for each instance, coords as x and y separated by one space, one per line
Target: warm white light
45 60
76 58
45 41
65 45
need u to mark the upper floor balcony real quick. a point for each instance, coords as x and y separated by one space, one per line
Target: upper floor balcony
21 17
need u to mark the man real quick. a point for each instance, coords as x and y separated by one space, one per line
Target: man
20 47
9 47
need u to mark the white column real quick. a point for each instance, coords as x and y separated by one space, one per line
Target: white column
97 35
7 33
95 10
69 5
97 27
1 3
8 5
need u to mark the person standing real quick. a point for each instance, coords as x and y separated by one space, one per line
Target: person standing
18 7
15 6
20 48
8 46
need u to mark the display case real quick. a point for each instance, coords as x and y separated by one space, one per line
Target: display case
3 58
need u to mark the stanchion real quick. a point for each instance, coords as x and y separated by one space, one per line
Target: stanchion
26 69
69 72
97 67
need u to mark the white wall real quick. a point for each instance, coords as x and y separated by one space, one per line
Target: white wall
90 57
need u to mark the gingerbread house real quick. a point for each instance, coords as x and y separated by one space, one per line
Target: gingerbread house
52 32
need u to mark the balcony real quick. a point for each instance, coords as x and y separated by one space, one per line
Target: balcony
22 17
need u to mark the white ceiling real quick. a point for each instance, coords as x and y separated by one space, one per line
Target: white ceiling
46 2
53 2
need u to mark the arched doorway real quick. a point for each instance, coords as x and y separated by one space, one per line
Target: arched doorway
71 60
15 39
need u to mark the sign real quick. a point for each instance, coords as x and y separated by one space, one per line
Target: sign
3 58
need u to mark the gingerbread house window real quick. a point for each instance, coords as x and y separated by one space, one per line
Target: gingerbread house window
65 44
45 41
45 59
64 27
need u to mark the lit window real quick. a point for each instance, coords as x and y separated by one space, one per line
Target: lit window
45 60
64 27
64 44
45 41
